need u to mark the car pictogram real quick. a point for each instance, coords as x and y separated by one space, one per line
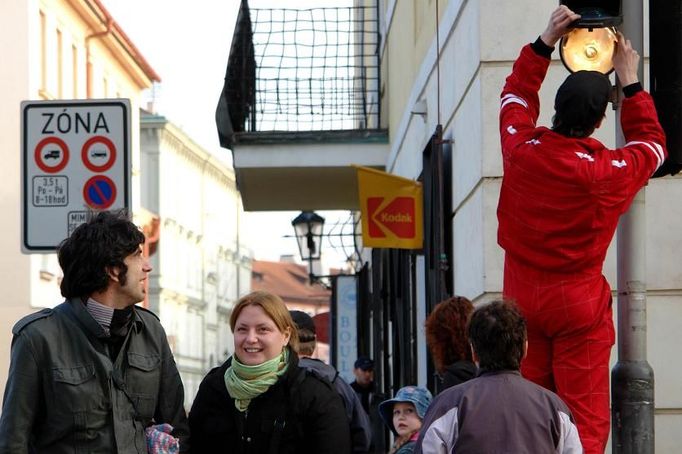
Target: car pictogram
99 154
52 154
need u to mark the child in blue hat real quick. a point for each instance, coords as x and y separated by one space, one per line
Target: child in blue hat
404 415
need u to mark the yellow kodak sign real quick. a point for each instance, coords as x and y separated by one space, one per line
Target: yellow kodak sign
392 210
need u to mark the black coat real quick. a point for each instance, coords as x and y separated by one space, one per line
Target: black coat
458 372
304 413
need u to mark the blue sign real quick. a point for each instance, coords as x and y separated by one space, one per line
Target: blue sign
346 343
99 192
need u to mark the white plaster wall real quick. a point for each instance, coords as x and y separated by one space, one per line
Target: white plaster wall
466 130
664 322
477 54
667 427
468 247
664 232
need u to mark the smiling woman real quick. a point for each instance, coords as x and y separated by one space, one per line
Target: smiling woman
259 400
262 327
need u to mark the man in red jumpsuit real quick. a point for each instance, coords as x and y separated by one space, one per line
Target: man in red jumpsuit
562 194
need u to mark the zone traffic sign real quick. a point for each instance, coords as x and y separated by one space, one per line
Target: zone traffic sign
75 160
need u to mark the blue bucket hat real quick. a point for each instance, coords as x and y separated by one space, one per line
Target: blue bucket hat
416 395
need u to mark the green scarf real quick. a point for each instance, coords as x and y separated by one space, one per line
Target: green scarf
247 382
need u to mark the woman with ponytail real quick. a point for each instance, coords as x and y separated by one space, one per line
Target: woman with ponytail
259 400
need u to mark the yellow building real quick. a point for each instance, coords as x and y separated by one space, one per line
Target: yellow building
54 49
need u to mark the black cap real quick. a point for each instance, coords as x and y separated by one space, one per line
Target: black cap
303 321
364 363
582 99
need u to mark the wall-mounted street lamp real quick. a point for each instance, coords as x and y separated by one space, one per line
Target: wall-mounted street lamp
590 45
308 229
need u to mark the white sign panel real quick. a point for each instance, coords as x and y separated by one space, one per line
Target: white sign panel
75 160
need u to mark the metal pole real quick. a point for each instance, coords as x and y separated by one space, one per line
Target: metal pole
632 378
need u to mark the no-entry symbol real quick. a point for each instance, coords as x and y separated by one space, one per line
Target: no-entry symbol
51 155
99 192
98 154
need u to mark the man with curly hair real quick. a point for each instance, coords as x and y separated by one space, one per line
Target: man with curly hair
92 374
446 337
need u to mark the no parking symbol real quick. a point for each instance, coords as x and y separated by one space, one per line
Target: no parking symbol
99 192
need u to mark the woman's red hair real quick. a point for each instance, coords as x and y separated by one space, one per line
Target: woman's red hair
446 332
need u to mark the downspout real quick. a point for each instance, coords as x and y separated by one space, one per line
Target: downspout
88 63
632 378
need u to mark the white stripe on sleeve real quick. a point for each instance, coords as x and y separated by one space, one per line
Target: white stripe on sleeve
510 98
441 435
654 147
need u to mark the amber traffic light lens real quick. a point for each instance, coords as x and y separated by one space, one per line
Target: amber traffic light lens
588 49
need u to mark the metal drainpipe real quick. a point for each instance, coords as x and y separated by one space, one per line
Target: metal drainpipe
632 378
88 64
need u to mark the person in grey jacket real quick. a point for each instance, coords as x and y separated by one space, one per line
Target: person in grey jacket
94 373
360 428
499 411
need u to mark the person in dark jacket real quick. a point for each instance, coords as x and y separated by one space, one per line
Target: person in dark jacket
360 429
259 401
446 338
94 373
363 385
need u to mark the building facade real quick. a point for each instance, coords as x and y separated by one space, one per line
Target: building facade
201 265
54 49
459 83
442 65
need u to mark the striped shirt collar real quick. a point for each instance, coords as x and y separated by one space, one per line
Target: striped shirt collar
101 313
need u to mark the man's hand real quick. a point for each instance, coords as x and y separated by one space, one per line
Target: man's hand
625 61
559 24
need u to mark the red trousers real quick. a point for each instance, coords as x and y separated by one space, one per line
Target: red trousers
570 335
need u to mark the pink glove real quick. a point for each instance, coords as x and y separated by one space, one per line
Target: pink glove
160 440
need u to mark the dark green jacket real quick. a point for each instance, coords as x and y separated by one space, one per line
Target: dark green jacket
65 395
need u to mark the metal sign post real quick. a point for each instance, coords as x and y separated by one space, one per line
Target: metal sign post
75 160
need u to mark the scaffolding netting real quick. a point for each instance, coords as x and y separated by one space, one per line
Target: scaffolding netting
311 70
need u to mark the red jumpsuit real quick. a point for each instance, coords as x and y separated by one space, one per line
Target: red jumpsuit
559 206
